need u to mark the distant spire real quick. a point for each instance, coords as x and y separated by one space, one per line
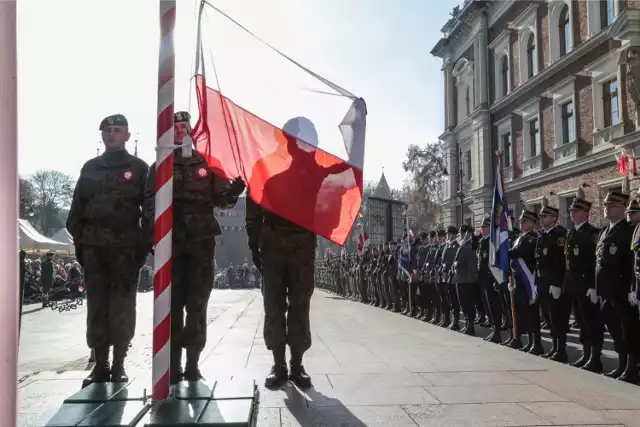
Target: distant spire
382 189
135 150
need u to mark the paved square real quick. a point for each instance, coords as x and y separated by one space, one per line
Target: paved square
370 367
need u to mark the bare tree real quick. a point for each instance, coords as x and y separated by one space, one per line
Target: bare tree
425 190
27 199
52 192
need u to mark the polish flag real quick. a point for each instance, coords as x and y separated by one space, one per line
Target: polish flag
363 241
622 162
295 138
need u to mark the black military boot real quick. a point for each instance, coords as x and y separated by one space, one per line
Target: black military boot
118 375
470 329
297 374
586 353
176 374
622 365
100 372
191 369
595 362
279 374
630 374
554 348
561 354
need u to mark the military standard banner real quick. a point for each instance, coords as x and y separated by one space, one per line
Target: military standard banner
295 138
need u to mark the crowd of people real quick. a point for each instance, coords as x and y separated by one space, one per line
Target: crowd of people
592 272
46 278
241 276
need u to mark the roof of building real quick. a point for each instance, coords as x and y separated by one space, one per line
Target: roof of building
382 189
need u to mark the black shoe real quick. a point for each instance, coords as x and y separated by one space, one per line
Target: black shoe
176 376
299 377
552 351
193 374
622 365
514 343
630 374
277 377
560 355
595 363
586 353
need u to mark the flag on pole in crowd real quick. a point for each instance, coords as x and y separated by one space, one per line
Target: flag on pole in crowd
363 241
296 138
499 231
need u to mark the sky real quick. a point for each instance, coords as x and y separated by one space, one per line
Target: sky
82 60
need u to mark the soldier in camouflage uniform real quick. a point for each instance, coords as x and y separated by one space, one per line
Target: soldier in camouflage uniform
196 192
104 221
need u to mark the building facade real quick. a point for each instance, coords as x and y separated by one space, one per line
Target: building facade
550 84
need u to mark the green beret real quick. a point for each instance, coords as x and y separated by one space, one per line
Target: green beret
115 120
181 116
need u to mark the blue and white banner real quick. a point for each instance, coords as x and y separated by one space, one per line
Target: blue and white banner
499 231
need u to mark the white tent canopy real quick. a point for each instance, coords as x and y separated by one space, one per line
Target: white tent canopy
63 236
30 238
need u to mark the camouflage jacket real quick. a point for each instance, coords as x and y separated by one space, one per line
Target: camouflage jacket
196 192
106 205
270 232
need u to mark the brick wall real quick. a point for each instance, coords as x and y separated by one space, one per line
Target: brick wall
584 116
580 23
629 4
547 132
543 36
592 178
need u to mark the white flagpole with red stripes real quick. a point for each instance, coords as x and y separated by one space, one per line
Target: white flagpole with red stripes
8 228
164 204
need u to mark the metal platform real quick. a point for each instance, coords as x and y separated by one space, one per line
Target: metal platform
225 403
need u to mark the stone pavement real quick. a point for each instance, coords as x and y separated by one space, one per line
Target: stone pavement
370 367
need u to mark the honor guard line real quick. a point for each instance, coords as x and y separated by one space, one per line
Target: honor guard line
213 403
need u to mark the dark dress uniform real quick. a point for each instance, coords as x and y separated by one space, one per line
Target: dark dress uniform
550 268
614 274
422 295
196 193
104 221
486 281
393 284
434 268
47 273
465 275
580 255
524 247
448 258
362 275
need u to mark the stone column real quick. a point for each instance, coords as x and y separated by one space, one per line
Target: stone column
449 103
481 60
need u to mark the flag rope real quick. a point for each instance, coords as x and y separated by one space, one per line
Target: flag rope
164 204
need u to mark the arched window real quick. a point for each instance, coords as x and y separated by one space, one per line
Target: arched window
532 61
565 31
504 74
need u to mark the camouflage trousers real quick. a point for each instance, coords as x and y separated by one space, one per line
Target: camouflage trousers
287 286
110 276
192 282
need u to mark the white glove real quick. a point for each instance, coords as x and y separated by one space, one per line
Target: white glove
593 295
511 287
555 291
633 299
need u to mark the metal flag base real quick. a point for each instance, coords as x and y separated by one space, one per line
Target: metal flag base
221 403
